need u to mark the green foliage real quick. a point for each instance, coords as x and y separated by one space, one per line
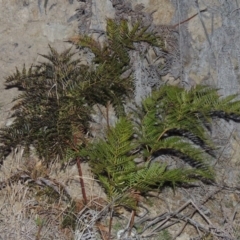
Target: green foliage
112 162
110 159
174 122
113 61
46 112
53 111
120 34
177 122
113 52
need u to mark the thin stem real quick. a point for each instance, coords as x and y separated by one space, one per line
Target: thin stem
81 181
158 139
110 223
107 114
131 222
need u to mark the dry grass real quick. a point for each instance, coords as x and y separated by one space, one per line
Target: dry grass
35 211
32 210
22 217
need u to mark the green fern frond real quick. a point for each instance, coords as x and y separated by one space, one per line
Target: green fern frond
20 79
112 162
45 104
112 60
176 122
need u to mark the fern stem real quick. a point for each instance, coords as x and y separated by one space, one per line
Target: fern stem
110 223
158 139
131 222
160 136
107 114
81 181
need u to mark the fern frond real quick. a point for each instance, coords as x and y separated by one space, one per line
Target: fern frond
88 42
176 122
113 164
48 106
20 79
